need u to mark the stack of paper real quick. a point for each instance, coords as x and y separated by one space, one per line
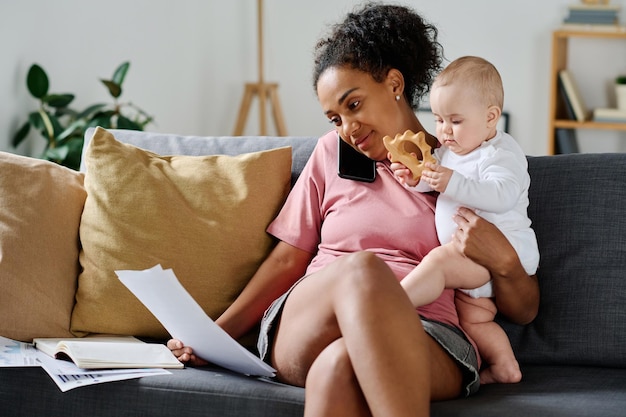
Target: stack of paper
66 375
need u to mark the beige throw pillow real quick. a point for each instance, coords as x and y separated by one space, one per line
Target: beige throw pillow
203 216
40 207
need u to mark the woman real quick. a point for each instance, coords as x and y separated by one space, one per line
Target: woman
347 330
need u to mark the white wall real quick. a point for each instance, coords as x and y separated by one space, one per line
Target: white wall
190 59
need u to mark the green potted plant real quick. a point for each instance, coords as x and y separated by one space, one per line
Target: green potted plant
63 128
620 92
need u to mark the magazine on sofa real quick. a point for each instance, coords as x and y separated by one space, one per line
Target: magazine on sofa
108 352
161 292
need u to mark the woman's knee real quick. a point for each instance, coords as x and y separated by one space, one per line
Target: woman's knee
364 270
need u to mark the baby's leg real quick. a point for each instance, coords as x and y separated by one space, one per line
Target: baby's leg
476 317
443 267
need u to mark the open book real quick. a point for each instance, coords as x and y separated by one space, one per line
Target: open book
108 352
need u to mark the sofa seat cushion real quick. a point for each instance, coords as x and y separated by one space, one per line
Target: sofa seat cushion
40 208
190 392
203 216
554 391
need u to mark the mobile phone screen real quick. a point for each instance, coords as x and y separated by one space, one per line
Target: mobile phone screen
354 165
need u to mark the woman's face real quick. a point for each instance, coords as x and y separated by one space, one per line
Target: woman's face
362 110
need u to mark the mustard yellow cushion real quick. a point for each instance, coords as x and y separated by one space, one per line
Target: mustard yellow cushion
40 207
203 216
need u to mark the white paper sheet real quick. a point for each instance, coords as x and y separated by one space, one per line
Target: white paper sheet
68 376
17 354
161 292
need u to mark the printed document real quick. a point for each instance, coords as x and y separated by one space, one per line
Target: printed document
161 292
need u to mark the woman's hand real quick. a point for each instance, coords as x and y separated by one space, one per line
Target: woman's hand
482 242
516 293
184 353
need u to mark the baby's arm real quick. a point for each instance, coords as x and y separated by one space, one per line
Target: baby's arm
502 179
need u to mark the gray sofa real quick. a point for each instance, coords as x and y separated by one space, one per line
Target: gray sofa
573 355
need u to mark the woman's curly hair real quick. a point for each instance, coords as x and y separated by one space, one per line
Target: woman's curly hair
376 38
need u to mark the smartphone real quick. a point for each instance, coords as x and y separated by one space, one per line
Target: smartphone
353 165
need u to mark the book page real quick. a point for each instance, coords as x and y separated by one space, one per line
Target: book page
102 355
161 292
48 345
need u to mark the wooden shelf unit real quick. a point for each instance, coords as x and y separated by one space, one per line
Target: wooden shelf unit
560 44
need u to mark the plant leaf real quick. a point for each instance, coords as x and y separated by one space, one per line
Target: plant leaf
71 129
103 121
120 73
58 100
21 134
126 123
37 81
66 111
44 124
114 88
75 148
56 154
90 110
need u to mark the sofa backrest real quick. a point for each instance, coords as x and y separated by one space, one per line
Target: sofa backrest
578 210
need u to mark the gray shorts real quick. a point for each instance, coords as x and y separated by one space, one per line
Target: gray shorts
451 339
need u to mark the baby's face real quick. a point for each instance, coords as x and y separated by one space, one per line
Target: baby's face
462 120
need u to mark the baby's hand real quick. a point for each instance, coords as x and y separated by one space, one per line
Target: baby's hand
184 353
437 176
404 175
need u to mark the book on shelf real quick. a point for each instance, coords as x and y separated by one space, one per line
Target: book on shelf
592 16
608 115
108 352
566 141
573 95
591 20
567 105
595 7
586 27
593 13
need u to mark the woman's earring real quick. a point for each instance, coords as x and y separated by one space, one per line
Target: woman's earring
398 97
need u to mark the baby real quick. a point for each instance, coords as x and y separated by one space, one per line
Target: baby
482 168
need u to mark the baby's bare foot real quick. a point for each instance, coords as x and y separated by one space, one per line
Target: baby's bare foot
504 373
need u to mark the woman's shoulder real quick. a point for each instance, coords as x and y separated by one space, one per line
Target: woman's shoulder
327 148
328 140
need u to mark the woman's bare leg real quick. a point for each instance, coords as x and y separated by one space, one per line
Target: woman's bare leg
387 356
331 385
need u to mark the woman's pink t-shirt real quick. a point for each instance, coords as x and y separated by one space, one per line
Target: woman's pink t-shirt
331 216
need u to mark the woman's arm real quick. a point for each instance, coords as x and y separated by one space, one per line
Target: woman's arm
516 293
280 270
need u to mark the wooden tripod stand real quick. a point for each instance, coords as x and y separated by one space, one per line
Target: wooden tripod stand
263 90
